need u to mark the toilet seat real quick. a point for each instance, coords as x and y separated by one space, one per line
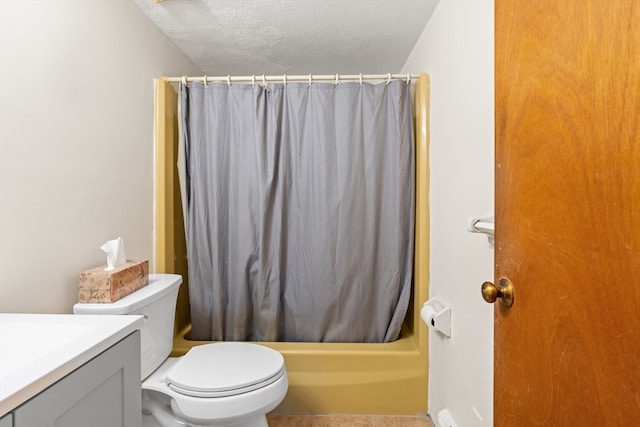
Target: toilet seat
225 369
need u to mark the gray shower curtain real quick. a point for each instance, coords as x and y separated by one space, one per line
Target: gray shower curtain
299 210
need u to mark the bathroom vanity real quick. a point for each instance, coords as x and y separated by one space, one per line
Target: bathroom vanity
69 370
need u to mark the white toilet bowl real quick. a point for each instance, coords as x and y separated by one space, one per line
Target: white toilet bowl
224 384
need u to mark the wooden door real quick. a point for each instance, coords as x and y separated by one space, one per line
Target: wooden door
568 212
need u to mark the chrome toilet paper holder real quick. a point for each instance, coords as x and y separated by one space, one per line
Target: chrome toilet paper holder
437 316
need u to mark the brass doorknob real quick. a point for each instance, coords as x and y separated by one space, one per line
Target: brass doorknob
504 292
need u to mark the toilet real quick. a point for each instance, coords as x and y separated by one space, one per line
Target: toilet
227 384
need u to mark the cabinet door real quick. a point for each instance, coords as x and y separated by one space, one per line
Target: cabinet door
6 421
104 392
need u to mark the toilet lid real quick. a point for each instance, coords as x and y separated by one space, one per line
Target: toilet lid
225 369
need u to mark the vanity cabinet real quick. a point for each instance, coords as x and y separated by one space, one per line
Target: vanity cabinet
6 421
104 392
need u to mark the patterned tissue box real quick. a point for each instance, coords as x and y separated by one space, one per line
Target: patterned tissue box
99 286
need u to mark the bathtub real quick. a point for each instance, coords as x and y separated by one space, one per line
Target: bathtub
337 378
324 378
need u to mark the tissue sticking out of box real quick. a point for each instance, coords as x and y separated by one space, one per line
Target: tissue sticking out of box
116 256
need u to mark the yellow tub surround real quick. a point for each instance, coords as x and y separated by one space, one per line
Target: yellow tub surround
389 378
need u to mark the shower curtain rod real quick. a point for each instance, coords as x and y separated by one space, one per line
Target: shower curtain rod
295 78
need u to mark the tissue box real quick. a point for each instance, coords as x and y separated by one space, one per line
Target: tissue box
99 286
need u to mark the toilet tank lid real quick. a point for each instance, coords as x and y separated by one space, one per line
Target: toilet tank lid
159 285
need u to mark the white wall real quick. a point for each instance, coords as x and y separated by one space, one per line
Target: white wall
456 49
76 145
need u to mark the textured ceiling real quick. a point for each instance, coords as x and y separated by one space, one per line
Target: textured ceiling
245 37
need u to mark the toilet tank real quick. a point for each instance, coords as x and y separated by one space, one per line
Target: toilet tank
157 303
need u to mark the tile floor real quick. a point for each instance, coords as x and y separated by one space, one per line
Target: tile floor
276 420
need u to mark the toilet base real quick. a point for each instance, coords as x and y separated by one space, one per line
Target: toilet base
157 412
149 421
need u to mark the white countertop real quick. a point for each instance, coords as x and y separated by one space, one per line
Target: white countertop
37 350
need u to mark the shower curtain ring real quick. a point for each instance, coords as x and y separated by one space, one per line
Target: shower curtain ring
408 78
337 77
184 80
229 80
284 79
388 78
264 81
204 80
360 79
309 79
253 80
